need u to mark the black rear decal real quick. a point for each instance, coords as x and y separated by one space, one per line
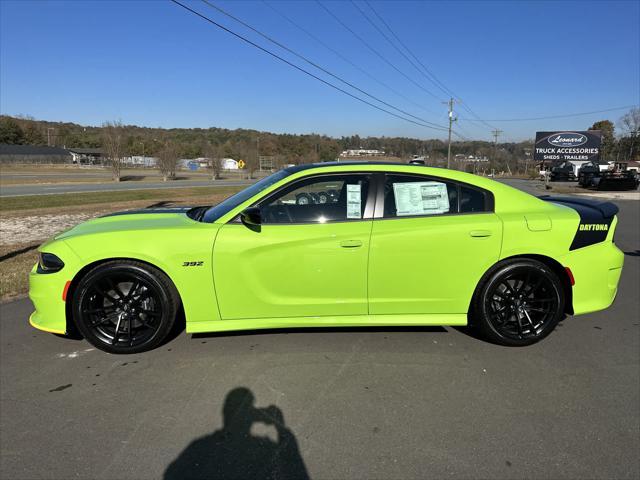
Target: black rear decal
595 219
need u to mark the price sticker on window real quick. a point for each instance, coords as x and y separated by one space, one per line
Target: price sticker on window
421 198
354 201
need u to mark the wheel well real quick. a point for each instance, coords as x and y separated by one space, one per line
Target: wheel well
71 327
555 266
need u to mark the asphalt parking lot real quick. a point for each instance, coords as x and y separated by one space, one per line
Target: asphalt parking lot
367 403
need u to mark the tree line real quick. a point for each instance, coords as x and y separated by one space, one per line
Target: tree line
169 145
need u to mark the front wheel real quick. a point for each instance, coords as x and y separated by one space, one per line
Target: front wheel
125 306
519 303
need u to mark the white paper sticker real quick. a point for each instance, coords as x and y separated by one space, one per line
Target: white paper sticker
421 198
354 201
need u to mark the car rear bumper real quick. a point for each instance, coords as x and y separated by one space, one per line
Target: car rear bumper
596 270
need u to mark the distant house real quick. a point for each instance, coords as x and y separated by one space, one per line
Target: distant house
229 164
33 154
87 156
140 161
633 165
470 158
360 152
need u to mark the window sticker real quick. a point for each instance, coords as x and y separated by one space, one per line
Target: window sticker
354 201
420 198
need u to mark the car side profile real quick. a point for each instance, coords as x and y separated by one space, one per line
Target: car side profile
329 245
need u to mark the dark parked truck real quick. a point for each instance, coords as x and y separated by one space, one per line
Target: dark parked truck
563 172
615 177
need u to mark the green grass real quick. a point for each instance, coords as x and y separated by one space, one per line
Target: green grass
91 198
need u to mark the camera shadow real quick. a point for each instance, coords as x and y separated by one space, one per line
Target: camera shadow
233 452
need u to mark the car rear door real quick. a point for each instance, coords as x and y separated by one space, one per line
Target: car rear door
431 242
309 256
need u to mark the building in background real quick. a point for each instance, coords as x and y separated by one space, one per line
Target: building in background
140 161
229 164
360 152
34 154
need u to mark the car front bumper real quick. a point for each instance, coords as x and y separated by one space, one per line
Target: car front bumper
47 290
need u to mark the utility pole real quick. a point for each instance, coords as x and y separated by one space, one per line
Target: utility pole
495 134
258 153
452 119
49 136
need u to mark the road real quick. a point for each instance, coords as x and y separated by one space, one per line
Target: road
49 189
357 403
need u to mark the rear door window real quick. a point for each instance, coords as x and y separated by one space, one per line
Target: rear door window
410 195
417 195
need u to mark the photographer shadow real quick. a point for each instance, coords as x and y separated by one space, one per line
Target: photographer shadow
233 452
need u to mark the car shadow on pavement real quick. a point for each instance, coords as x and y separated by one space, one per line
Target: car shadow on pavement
233 452
286 331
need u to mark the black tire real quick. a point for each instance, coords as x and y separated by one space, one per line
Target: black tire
518 303
124 306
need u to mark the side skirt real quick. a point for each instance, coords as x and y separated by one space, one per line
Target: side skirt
440 319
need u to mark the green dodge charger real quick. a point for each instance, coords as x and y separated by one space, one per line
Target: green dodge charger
333 244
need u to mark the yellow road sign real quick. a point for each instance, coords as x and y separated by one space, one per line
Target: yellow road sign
241 164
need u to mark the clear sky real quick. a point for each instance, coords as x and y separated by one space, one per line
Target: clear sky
152 63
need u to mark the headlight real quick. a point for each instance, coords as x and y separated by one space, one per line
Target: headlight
49 263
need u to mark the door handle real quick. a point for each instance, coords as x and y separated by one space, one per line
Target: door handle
480 233
351 243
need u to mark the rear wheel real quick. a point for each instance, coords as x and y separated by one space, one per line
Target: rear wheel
125 306
519 303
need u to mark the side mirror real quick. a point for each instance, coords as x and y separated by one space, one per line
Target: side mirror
251 218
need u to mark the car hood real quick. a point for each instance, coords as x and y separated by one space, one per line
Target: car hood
145 219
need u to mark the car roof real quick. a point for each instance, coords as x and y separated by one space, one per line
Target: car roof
347 163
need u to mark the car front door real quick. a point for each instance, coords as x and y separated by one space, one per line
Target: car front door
431 242
307 258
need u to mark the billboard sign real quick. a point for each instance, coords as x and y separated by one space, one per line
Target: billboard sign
567 146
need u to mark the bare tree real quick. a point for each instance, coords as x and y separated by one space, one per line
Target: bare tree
630 122
248 153
168 161
214 154
113 144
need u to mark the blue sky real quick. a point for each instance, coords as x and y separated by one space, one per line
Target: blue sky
152 63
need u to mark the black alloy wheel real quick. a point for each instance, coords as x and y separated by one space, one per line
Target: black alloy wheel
125 306
520 303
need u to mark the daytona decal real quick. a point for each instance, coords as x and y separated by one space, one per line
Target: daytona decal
590 227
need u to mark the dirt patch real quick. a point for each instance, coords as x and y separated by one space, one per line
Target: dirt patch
34 228
16 260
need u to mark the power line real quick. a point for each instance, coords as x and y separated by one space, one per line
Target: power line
429 74
313 64
300 69
366 17
345 59
553 116
374 51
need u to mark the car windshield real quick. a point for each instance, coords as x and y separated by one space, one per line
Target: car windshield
224 207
